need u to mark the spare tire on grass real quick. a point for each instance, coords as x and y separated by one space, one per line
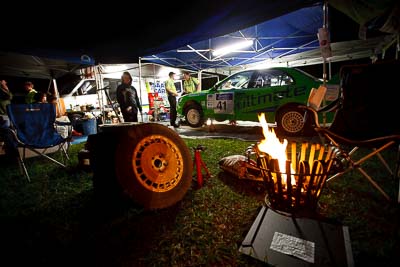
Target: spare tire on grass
153 165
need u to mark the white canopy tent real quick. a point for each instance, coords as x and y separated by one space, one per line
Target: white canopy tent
341 51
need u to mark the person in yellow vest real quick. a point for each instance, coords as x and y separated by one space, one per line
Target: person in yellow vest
172 94
190 84
30 93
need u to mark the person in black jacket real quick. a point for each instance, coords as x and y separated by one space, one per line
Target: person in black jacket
128 99
5 97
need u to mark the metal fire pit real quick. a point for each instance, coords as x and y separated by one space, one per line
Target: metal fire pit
299 191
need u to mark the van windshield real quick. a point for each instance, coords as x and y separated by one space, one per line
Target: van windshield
87 88
65 86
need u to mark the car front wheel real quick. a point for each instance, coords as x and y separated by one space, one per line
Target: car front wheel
194 116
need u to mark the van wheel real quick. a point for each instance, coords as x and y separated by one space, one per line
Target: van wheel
194 115
75 119
153 165
290 120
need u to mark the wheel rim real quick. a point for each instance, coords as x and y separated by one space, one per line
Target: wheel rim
157 163
292 122
193 116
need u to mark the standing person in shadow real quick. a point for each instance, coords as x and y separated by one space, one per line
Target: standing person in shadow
128 99
5 97
6 136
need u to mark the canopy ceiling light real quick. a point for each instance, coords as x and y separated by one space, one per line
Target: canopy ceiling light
267 64
232 48
164 71
114 68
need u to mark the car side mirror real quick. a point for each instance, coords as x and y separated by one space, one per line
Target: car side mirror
214 88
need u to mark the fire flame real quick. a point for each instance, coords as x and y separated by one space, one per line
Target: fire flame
274 147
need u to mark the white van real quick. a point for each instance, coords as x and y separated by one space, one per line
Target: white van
84 94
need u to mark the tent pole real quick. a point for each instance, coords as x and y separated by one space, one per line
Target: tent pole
99 85
325 21
48 87
199 78
140 85
154 77
57 94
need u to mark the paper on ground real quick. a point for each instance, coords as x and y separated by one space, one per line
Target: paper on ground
294 246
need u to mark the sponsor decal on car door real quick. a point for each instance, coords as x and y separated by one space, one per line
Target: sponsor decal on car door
221 103
268 90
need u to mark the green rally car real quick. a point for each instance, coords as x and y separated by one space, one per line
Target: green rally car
276 91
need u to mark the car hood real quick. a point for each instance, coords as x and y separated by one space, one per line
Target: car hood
203 92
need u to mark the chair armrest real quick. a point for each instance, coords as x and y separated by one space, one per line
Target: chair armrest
63 123
309 111
378 141
12 133
330 107
67 125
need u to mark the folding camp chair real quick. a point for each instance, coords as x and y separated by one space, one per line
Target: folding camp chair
33 128
360 120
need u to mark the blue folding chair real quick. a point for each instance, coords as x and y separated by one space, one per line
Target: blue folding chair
33 128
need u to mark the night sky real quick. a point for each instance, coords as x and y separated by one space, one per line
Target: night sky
121 32
113 31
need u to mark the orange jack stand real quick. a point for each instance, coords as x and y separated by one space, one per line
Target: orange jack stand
199 164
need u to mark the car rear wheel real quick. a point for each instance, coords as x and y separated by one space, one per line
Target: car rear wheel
194 116
290 120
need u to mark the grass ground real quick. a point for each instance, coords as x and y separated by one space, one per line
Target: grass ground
54 221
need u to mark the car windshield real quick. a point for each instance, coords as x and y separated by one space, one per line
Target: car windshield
270 77
237 81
